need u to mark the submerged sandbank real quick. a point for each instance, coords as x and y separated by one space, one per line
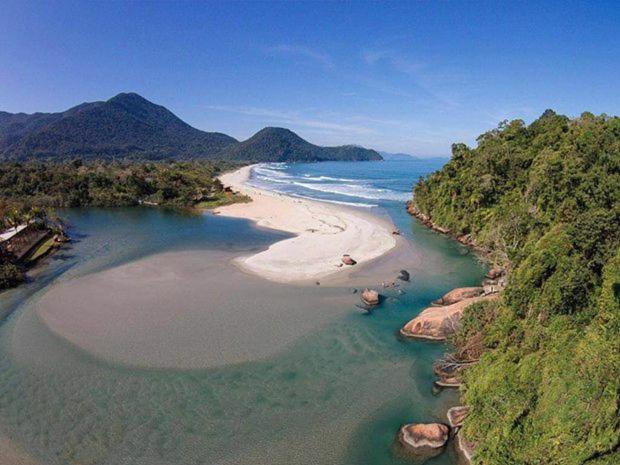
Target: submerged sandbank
189 309
12 453
324 232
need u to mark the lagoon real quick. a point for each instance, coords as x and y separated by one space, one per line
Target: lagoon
310 380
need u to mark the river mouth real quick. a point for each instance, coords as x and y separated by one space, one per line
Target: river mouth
325 384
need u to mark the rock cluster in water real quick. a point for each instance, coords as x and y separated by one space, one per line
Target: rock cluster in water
458 294
437 323
420 437
370 297
456 415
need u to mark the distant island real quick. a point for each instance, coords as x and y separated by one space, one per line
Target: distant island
129 126
388 156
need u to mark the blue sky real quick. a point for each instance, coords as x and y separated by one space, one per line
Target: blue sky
395 76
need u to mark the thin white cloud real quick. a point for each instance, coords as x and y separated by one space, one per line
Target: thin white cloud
301 51
396 61
271 116
416 70
335 128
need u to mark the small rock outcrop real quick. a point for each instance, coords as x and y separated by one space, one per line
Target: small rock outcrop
448 374
458 294
465 239
61 238
495 272
456 415
448 382
425 219
404 275
420 436
465 447
370 297
491 289
437 323
347 260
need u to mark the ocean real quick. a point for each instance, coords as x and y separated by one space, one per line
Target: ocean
362 184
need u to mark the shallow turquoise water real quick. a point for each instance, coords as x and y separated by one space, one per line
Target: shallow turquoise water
335 396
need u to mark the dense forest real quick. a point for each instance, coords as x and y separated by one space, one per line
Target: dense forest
111 184
543 201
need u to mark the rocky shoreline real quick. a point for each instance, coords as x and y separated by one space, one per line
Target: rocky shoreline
426 220
437 323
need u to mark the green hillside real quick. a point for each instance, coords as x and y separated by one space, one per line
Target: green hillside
283 145
544 201
125 126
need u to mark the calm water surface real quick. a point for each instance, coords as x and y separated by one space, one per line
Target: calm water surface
335 396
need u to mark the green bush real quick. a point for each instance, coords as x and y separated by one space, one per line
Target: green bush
10 275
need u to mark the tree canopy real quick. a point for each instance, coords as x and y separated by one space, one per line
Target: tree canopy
543 200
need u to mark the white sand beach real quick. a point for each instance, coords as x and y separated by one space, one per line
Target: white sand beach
324 232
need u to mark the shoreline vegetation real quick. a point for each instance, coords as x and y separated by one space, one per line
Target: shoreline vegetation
30 192
539 366
113 183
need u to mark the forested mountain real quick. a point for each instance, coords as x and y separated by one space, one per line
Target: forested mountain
130 127
127 125
279 144
544 201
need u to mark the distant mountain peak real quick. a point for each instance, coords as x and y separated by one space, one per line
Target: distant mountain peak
131 98
284 132
276 144
124 125
127 96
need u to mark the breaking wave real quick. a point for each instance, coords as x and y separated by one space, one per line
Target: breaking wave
282 178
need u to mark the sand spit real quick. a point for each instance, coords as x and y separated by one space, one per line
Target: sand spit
324 232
